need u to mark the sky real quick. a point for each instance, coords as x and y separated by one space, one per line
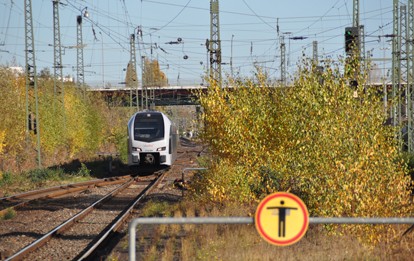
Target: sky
250 32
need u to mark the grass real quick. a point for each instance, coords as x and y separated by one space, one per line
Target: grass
156 208
13 183
242 242
7 214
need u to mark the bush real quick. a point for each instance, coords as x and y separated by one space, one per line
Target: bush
40 175
8 214
84 171
319 139
6 178
78 129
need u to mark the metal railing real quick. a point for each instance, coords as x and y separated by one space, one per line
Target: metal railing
248 220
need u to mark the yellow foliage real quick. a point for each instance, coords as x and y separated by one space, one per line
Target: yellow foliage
2 138
153 76
12 112
314 139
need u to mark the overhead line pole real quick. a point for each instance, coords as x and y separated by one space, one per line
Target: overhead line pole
214 46
57 53
59 90
32 119
133 81
395 73
80 69
355 14
315 52
410 75
403 89
282 61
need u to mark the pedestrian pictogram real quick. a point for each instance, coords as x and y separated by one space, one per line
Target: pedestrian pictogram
282 218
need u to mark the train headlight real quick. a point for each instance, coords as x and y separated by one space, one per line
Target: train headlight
136 149
162 149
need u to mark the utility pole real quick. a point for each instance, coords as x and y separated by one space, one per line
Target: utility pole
282 61
403 73
231 57
361 30
360 43
403 68
144 84
410 76
315 53
142 58
32 118
103 62
80 69
353 44
57 54
133 81
396 61
214 46
355 14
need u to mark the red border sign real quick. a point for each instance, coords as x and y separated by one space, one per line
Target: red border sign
282 218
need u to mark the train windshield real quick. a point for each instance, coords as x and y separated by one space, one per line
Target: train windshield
148 127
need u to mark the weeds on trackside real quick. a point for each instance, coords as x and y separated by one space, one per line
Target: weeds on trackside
11 183
242 242
7 214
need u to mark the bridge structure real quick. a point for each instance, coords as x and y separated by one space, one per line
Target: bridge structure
149 96
174 95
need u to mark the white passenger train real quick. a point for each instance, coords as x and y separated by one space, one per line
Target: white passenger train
152 139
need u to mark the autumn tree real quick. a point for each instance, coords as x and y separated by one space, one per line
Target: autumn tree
318 138
153 76
80 128
131 78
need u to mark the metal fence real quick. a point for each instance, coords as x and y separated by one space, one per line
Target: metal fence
248 220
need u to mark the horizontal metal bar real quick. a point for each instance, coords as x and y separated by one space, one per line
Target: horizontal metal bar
186 169
192 220
250 220
360 220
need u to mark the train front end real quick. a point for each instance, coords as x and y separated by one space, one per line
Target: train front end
149 139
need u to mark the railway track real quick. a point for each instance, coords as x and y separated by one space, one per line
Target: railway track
80 235
15 202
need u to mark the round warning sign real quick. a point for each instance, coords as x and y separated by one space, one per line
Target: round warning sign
282 218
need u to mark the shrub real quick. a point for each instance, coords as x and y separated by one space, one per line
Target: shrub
8 214
84 171
6 178
319 138
40 175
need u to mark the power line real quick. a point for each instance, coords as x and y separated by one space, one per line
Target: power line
261 19
178 14
320 18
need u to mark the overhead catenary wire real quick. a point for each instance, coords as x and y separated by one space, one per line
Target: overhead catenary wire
115 20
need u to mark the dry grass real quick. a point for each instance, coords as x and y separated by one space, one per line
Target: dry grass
242 242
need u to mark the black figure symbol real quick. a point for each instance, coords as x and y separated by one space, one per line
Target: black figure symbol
282 212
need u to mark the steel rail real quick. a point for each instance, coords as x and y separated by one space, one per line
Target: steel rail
114 226
59 191
55 194
96 182
67 224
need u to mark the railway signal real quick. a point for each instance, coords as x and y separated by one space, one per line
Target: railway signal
351 39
